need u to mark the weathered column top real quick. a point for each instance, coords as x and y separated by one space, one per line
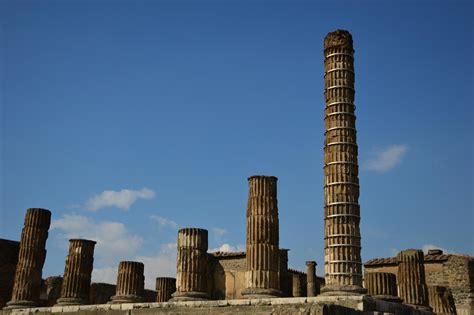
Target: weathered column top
338 39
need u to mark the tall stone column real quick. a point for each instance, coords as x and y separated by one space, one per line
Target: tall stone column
311 283
165 287
382 285
130 283
342 261
77 273
27 285
411 279
441 300
262 279
191 278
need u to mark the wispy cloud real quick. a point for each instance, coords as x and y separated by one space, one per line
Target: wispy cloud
122 199
228 248
386 159
114 241
164 222
218 232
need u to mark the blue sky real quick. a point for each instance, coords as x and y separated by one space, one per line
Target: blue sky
130 119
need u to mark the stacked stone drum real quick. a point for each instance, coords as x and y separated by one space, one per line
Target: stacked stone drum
77 273
130 283
311 283
382 285
411 279
191 278
262 275
27 285
165 287
342 262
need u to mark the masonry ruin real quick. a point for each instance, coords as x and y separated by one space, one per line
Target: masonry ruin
257 281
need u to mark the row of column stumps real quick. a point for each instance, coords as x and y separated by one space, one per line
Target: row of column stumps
412 287
31 257
262 245
342 246
191 277
382 285
130 283
77 273
165 287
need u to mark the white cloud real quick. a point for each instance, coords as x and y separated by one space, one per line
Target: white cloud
218 232
228 248
105 275
387 159
164 222
114 242
122 199
427 247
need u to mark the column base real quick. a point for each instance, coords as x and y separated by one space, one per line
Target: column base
388 298
420 307
188 296
20 304
71 301
332 290
260 293
117 299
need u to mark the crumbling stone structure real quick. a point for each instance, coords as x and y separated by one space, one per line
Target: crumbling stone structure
297 285
312 284
77 273
130 283
441 300
51 290
27 285
165 287
262 277
411 279
8 260
343 267
382 285
191 278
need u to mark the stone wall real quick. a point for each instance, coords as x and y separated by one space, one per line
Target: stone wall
8 259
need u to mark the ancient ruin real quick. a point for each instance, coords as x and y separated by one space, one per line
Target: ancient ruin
165 287
343 267
382 285
257 281
411 279
26 288
130 283
191 277
262 238
77 273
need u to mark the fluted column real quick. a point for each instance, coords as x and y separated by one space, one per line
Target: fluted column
27 285
130 283
382 285
262 279
441 300
311 283
165 287
191 278
77 273
342 261
411 279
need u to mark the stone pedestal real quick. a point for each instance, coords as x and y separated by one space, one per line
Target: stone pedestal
311 283
441 300
165 287
411 279
297 285
130 283
382 285
27 284
77 273
342 263
262 278
191 278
